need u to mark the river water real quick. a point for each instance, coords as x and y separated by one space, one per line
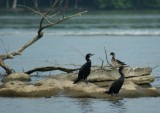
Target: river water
134 37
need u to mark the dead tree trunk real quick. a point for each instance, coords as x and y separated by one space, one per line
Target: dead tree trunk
5 67
45 22
14 6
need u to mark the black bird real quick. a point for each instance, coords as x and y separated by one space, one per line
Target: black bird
84 70
115 62
116 85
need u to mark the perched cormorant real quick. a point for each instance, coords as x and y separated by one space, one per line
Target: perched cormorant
84 70
116 85
115 62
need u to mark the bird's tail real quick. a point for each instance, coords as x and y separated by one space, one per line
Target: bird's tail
77 80
108 92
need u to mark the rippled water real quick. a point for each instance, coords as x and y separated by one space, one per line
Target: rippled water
133 36
80 105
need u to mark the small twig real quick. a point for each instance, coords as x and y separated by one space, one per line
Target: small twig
35 5
77 50
39 13
102 62
106 56
4 46
155 67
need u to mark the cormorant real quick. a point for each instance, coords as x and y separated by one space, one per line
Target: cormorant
116 85
115 62
84 70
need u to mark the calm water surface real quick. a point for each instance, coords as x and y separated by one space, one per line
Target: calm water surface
133 36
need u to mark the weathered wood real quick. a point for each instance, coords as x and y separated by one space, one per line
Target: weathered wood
5 67
50 68
21 49
44 23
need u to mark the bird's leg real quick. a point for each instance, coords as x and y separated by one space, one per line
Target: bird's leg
86 81
112 94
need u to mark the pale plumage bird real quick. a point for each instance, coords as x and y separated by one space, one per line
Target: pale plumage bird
115 62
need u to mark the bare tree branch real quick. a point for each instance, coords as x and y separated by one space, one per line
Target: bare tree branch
107 57
60 20
36 12
21 49
50 68
45 22
155 67
102 62
77 50
5 67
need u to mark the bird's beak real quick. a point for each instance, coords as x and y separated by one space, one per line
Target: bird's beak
92 54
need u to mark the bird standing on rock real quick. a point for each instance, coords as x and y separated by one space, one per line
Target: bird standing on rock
115 62
116 85
84 70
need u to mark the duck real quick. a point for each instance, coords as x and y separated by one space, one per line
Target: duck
116 63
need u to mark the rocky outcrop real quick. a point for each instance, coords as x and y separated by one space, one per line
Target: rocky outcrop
21 89
17 76
136 75
100 81
105 76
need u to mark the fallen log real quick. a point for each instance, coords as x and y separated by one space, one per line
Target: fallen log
50 68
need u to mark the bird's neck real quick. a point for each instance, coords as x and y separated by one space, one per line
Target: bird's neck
121 73
87 59
113 58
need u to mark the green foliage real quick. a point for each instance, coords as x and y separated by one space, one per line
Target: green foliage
93 4
127 4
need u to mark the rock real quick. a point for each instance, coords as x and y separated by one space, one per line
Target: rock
142 79
20 89
105 76
17 76
100 81
137 75
82 89
137 71
50 87
131 90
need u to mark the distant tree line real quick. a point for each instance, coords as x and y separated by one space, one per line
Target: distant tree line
83 4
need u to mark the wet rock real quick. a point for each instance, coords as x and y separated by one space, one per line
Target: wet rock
17 76
142 79
104 76
100 81
136 75
82 89
20 89
51 87
131 90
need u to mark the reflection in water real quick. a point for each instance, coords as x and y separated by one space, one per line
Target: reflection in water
85 105
117 106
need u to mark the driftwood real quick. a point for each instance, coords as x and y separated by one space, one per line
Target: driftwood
5 67
51 68
46 22
107 57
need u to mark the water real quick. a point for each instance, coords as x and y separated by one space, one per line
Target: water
133 36
80 105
